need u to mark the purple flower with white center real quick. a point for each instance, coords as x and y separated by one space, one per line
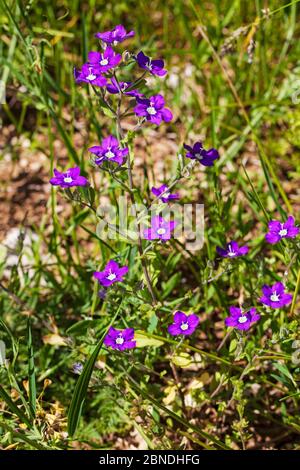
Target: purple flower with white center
240 319
274 296
116 35
69 178
160 229
104 61
90 74
183 324
153 109
197 152
155 67
278 230
116 87
164 194
111 274
77 368
109 150
232 250
120 339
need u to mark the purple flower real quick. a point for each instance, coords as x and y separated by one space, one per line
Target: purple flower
183 324
274 296
77 368
111 274
232 250
164 194
118 34
68 179
90 74
104 60
241 320
160 229
155 67
116 87
153 109
109 150
120 339
278 231
197 152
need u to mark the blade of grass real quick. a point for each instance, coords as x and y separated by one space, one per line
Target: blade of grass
13 407
80 392
295 294
31 370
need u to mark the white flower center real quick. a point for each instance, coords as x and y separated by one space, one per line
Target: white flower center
199 156
103 62
274 297
151 110
120 340
149 65
109 154
242 319
91 77
283 232
167 194
68 179
111 276
184 326
161 231
230 252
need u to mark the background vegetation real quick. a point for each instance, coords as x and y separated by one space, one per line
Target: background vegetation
233 82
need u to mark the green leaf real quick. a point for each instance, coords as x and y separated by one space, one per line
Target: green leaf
170 284
284 370
13 407
142 340
88 194
153 323
79 395
233 345
182 360
31 370
108 112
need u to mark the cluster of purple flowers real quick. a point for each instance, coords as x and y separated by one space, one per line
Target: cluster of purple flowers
99 72
123 339
183 324
273 296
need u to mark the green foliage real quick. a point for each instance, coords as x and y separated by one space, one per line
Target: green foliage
232 82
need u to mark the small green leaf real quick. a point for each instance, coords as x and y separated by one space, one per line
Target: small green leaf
142 340
233 345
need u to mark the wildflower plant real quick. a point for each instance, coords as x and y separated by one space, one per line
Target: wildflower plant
123 94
